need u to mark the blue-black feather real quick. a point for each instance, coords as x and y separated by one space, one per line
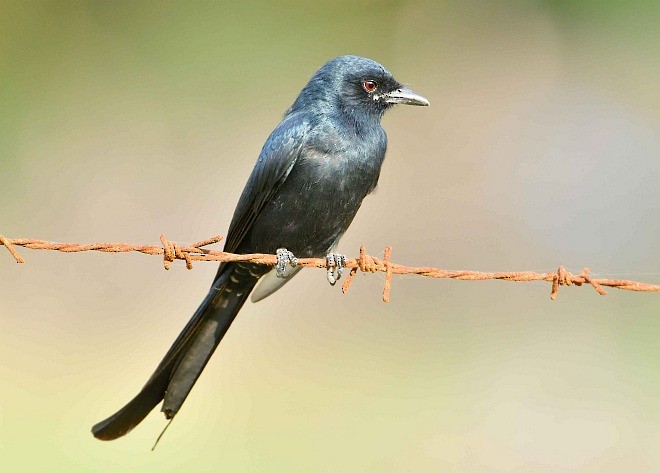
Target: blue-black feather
308 183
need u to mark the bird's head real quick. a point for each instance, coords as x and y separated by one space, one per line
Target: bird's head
357 86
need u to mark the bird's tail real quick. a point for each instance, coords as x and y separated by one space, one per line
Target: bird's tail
178 371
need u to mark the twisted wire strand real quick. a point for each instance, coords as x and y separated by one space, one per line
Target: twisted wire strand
171 251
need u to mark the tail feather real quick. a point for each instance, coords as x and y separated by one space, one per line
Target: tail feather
123 421
178 371
192 361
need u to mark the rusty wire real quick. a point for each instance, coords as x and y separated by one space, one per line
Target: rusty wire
171 251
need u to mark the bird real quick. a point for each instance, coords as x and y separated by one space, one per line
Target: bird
313 172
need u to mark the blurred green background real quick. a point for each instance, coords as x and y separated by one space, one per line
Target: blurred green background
123 120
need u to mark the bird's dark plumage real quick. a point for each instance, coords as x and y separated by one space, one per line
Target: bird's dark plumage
313 172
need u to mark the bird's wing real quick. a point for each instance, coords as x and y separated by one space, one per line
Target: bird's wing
275 162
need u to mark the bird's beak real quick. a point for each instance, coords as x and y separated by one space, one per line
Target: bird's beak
404 95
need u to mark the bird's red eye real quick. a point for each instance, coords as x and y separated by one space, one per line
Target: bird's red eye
369 85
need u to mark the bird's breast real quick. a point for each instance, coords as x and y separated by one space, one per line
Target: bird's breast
319 198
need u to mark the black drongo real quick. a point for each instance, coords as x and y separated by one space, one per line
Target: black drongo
307 185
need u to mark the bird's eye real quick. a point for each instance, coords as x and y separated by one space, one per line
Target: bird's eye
369 85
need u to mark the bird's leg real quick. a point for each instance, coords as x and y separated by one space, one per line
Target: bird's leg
335 263
284 258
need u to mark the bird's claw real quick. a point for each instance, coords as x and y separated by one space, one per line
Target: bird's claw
335 263
284 259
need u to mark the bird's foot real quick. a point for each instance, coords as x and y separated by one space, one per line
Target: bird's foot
335 263
284 259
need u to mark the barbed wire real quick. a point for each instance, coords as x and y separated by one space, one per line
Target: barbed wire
171 251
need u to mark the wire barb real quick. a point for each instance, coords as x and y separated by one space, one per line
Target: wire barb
585 275
10 248
388 274
171 251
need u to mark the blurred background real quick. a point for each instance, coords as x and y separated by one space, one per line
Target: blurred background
120 121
